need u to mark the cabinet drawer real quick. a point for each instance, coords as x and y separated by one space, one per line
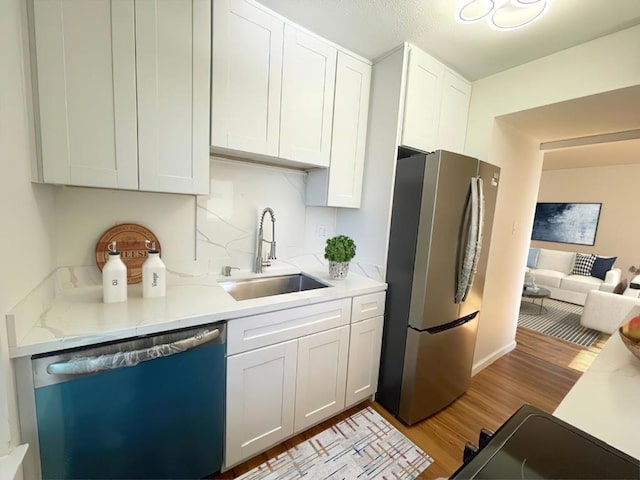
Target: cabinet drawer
266 329
368 306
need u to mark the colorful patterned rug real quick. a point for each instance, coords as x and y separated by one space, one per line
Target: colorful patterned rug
363 446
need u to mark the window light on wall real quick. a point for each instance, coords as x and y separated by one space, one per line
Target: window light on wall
502 14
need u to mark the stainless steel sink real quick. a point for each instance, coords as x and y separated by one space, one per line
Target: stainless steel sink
265 287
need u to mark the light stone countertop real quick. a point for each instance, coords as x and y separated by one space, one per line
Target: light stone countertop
9 464
65 312
604 401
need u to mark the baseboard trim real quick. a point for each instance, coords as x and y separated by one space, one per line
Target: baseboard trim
492 357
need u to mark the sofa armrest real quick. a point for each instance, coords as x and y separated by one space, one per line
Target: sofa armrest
611 280
606 311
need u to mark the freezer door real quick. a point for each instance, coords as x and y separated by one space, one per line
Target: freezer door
444 198
437 369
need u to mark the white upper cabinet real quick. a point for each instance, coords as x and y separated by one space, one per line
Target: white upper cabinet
246 81
273 96
422 101
341 184
308 82
436 105
172 64
452 130
86 87
119 87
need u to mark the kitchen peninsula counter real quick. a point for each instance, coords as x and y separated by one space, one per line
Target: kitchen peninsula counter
64 312
604 401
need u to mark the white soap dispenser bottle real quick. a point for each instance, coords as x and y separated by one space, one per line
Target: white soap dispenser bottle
154 274
114 277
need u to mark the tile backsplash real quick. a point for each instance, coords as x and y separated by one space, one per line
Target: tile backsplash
200 234
228 219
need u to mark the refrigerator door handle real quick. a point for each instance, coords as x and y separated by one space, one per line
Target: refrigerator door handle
454 324
480 225
467 243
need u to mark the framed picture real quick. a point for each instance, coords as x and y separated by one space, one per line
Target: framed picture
566 222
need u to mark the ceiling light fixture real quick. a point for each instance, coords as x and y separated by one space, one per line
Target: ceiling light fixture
502 14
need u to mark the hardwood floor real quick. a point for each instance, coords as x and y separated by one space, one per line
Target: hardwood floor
540 371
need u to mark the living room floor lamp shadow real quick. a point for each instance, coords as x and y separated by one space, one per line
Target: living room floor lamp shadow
566 222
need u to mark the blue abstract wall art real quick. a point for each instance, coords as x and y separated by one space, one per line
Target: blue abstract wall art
566 222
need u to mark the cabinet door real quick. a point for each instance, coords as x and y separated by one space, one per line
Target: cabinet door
364 359
422 101
86 92
173 63
452 129
322 373
260 399
246 77
341 184
308 80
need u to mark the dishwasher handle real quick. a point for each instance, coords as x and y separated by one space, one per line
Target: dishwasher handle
112 361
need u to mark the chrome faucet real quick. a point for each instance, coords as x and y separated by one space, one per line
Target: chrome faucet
260 262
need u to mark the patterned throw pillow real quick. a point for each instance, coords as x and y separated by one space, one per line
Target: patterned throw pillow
583 265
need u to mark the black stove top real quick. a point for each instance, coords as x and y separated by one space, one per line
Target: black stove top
533 444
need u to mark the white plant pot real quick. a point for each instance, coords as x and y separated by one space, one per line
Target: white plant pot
338 270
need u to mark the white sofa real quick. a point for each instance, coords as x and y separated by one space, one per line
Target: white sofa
605 311
552 269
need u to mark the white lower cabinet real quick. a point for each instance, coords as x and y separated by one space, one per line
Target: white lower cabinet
364 359
321 377
261 387
321 364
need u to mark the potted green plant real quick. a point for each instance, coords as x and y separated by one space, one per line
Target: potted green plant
339 251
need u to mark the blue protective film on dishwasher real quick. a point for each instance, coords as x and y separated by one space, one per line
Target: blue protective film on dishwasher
160 419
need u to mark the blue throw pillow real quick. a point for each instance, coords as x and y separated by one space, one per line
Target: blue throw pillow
532 259
601 266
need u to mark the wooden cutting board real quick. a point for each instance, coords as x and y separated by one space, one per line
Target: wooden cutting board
130 241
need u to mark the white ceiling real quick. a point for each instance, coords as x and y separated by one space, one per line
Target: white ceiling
373 27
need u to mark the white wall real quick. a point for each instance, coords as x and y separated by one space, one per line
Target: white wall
509 241
26 210
605 64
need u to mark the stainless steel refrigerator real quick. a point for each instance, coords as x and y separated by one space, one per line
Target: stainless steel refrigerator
441 223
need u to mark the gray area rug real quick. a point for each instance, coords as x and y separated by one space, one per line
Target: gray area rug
561 320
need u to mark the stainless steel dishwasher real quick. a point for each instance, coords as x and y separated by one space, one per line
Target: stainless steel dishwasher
149 407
